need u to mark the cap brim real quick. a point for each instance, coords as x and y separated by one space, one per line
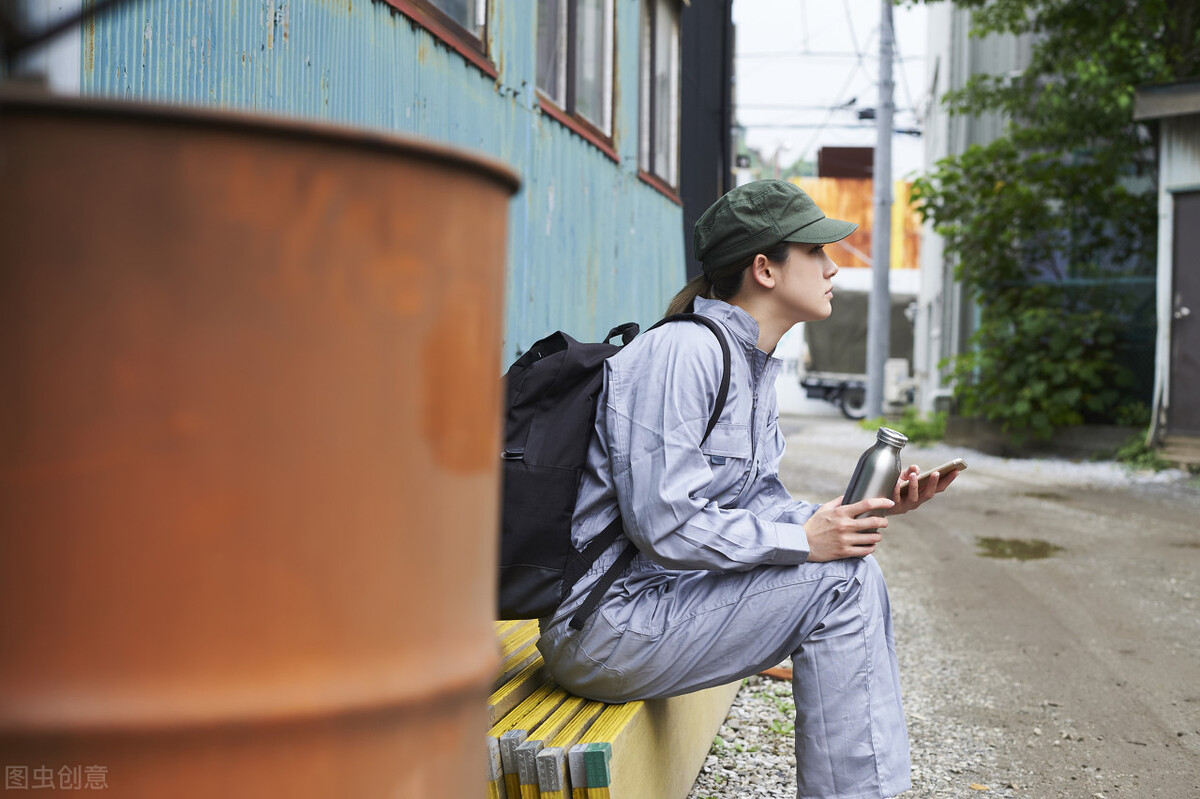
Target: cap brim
823 231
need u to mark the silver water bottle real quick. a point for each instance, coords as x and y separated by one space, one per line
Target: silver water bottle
877 471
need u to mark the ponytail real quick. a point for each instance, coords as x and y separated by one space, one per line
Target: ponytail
725 285
699 286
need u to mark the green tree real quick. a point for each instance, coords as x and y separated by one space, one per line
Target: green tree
1046 220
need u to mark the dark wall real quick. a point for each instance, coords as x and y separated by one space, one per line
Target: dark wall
846 162
706 116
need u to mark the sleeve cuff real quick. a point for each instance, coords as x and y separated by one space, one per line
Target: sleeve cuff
792 547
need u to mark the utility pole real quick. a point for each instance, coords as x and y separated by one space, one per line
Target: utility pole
879 308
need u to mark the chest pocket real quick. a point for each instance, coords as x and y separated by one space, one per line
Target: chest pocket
728 452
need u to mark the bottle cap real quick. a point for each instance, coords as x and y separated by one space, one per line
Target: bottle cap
889 436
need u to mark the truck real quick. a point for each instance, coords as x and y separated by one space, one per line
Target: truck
835 361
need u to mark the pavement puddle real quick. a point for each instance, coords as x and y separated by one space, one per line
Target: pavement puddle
1016 548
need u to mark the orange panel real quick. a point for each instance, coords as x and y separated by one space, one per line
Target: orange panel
853 200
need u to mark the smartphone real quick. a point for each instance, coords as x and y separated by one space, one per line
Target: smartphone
943 470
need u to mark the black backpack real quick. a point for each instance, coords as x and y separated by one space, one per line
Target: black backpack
550 412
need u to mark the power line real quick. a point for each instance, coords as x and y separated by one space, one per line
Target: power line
866 56
853 34
813 140
825 126
819 54
791 107
804 24
903 74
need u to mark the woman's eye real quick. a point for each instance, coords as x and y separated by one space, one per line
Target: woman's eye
820 248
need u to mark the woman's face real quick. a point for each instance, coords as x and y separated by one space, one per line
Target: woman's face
805 283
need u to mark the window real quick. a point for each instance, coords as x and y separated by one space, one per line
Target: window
468 14
575 59
658 91
462 24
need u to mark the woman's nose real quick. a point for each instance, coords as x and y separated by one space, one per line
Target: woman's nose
831 268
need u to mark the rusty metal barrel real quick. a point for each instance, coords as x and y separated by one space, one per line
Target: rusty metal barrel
249 411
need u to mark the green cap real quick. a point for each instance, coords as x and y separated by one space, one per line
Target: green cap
757 216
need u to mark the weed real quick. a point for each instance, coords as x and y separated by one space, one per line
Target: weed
1136 454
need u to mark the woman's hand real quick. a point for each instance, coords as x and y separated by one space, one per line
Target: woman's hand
906 495
833 532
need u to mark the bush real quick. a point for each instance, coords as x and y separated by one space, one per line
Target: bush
919 430
1040 368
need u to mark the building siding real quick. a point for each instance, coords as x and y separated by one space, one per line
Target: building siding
590 244
1179 170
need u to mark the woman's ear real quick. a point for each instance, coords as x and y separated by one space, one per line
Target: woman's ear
762 271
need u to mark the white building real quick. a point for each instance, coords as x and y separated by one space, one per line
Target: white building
944 320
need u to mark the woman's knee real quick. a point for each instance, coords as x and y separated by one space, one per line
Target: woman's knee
860 597
872 593
866 572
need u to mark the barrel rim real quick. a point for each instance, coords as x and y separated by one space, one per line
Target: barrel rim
18 99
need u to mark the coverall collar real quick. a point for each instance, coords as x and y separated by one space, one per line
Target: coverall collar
740 323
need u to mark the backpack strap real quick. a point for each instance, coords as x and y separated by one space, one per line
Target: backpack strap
627 332
614 529
601 588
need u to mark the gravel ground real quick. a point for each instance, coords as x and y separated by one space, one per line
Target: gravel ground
944 681
753 754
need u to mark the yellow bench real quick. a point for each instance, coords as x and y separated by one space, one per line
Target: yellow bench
545 743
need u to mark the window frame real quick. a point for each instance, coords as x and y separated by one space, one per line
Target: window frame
428 16
566 112
648 100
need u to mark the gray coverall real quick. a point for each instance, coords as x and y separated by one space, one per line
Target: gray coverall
720 588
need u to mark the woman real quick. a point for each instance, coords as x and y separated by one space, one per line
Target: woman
732 575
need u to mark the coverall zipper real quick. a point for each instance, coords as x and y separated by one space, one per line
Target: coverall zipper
754 437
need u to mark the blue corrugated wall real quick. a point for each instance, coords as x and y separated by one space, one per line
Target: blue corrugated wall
590 245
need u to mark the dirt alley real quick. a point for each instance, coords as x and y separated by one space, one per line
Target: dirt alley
1082 669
